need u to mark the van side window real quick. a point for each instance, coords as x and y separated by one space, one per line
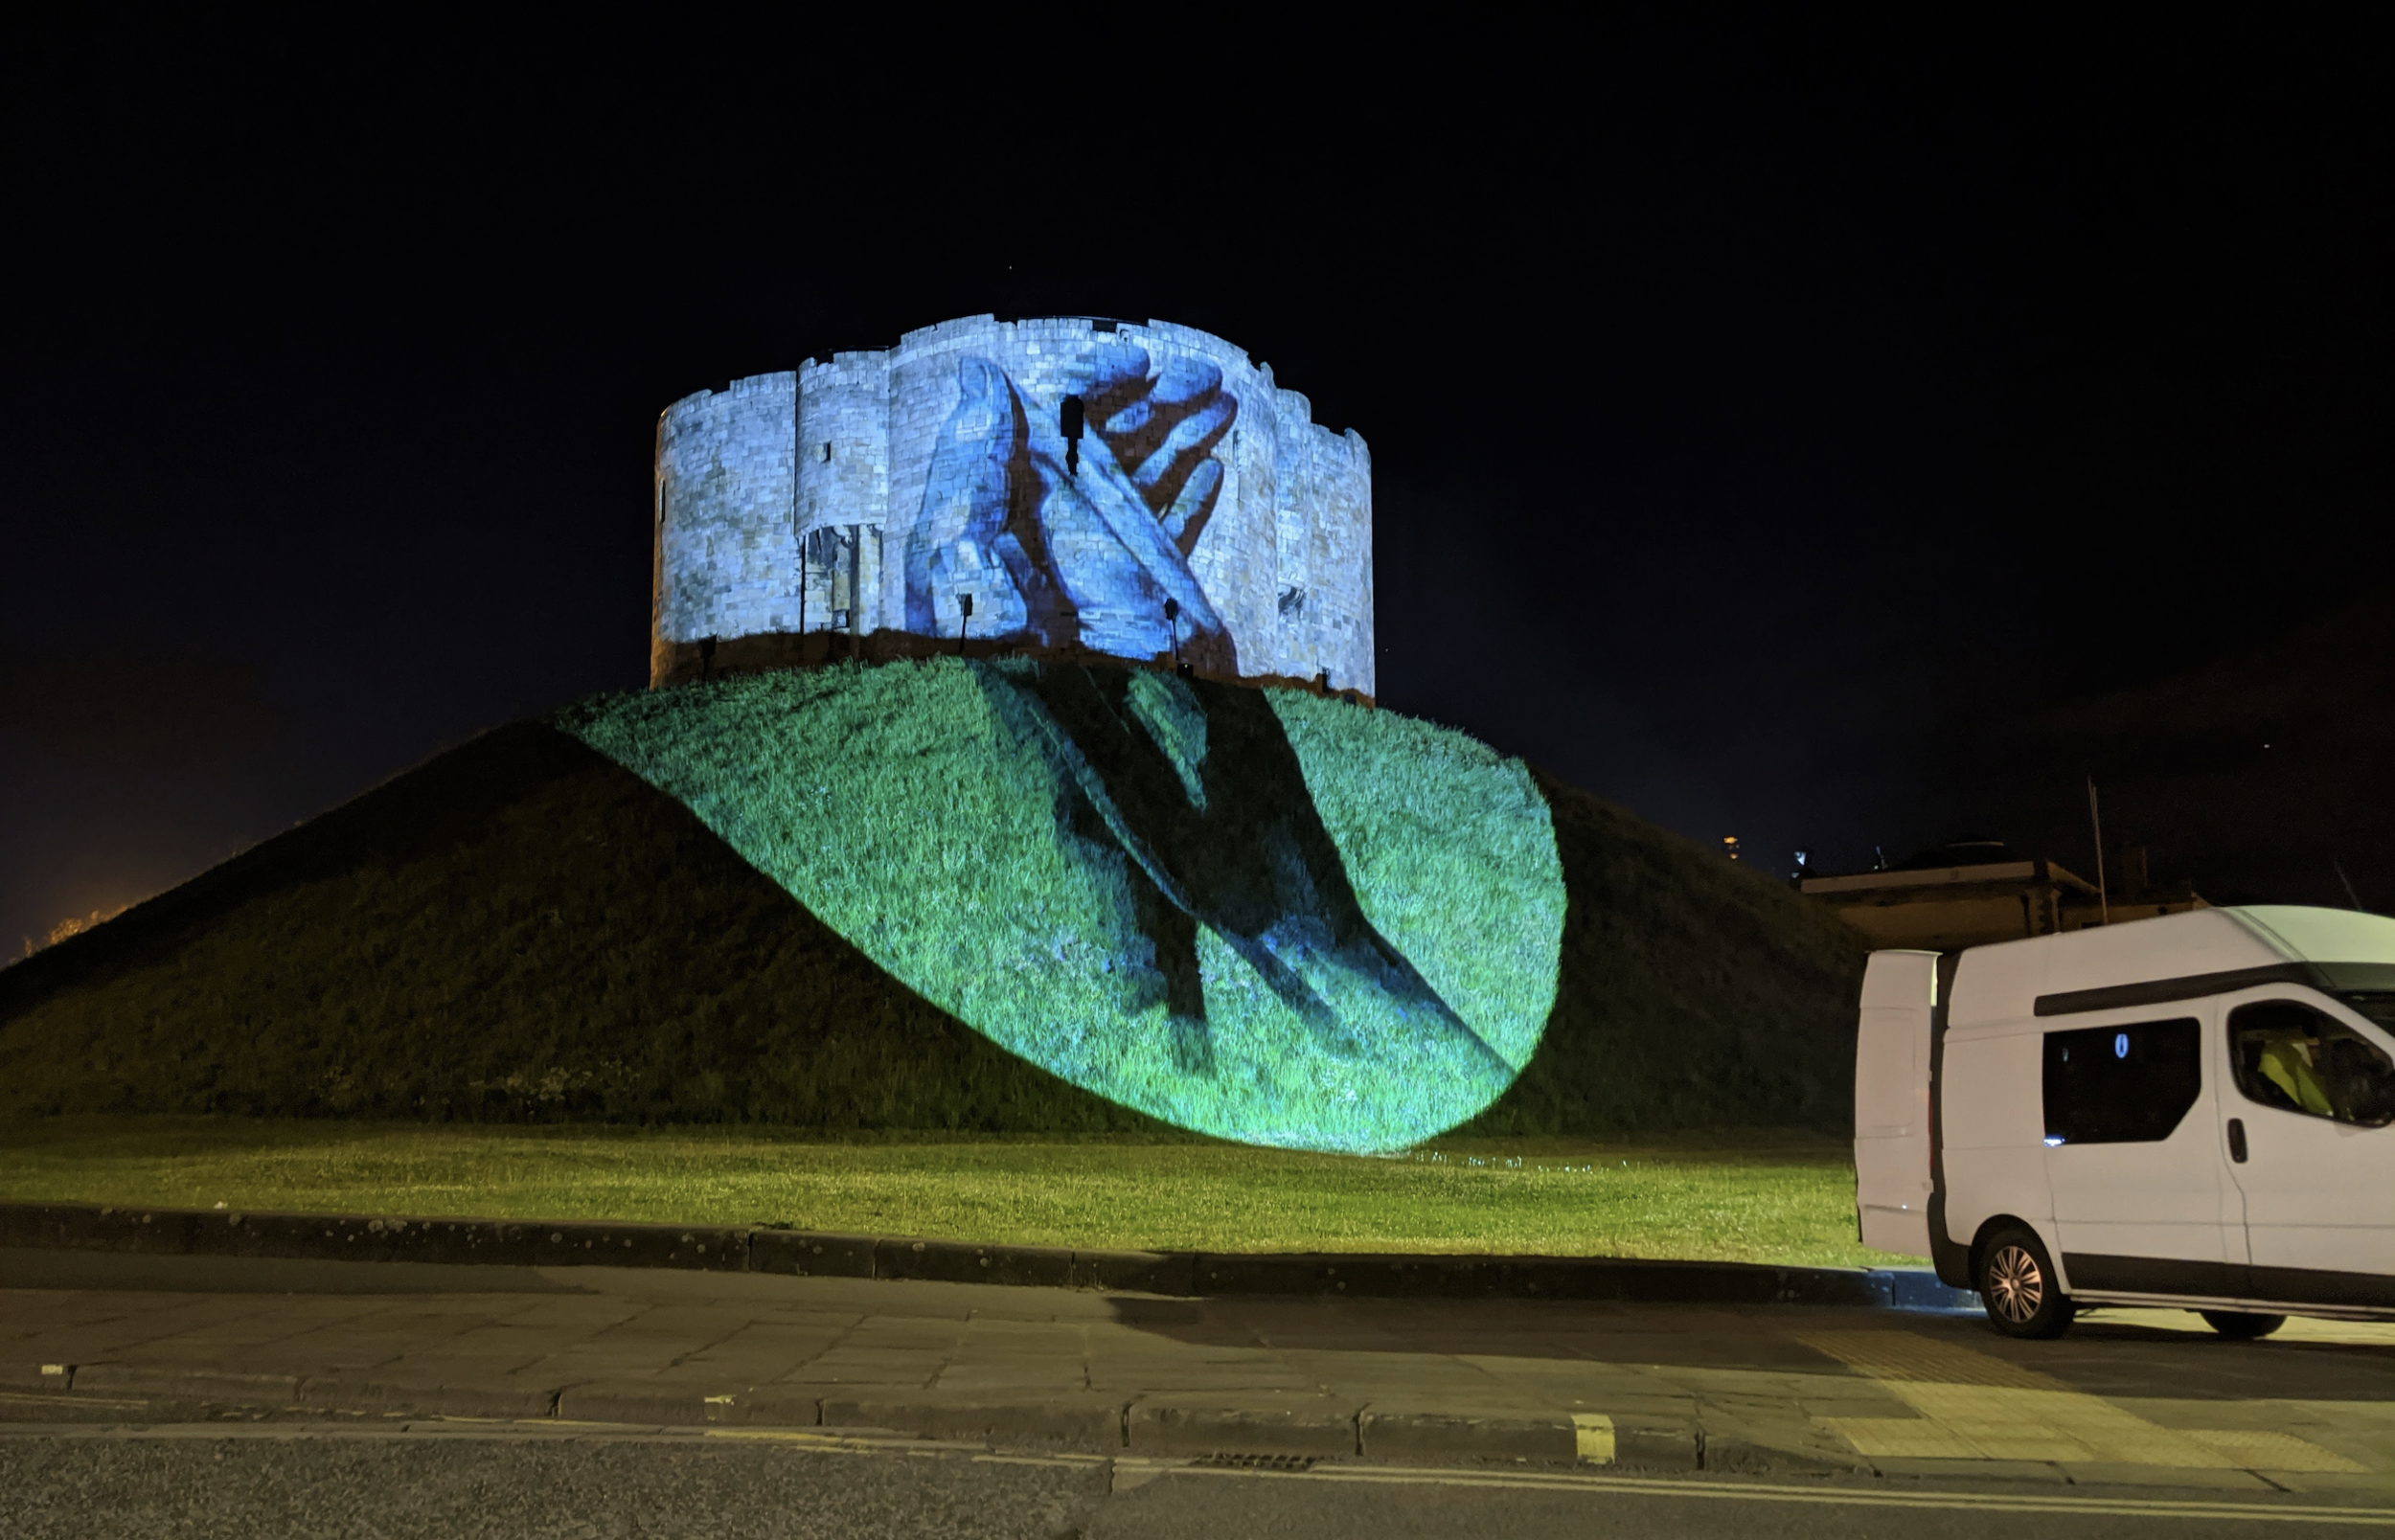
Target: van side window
2121 1085
2290 1056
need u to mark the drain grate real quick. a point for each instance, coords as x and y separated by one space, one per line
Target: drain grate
1233 1462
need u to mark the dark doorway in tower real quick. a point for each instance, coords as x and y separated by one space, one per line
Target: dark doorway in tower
1070 419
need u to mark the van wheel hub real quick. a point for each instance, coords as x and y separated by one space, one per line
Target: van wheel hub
2016 1286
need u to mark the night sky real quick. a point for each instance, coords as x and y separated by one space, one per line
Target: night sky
1833 436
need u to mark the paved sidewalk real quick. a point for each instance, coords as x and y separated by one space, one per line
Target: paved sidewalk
2127 1397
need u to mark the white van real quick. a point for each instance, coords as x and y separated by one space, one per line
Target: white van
2191 1110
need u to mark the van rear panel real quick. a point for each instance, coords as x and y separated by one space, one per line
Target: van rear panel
1892 1101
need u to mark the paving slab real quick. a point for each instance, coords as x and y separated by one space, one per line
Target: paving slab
1020 1372
215 1385
428 1398
916 1369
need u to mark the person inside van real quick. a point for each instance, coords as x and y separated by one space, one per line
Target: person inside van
2285 1059
2291 1057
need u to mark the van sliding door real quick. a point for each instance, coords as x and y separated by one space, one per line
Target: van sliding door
2141 1204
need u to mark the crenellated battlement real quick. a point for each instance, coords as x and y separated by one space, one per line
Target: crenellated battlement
949 487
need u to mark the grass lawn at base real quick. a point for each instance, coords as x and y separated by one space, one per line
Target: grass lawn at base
1742 1197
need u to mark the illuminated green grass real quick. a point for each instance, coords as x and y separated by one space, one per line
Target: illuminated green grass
909 810
1762 1198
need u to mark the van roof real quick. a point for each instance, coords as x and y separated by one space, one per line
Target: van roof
2321 935
2005 982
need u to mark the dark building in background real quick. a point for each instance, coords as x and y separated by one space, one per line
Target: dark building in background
1972 892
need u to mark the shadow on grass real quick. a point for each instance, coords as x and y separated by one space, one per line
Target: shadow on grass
1193 787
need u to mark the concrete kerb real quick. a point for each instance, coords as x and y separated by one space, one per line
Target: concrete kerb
370 1237
1422 1430
180 1384
815 1254
1197 1424
383 1398
1268 1422
1081 1419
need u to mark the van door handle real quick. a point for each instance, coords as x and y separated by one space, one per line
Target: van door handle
2237 1140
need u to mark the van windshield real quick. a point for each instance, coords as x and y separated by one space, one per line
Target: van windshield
2377 1005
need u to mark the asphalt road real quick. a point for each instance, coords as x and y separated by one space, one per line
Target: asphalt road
247 1482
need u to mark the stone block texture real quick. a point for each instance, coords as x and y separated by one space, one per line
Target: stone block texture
789 503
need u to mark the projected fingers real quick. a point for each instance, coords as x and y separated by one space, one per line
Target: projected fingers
1162 434
1186 519
1117 373
1190 445
951 548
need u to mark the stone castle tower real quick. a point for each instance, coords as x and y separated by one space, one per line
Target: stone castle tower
1067 487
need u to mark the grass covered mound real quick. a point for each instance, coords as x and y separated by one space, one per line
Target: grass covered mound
1376 902
518 930
1694 993
522 930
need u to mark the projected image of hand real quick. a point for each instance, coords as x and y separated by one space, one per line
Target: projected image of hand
1067 543
1071 521
1161 433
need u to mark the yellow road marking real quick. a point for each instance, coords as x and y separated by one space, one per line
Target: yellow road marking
58 1399
848 1443
799 1436
573 1422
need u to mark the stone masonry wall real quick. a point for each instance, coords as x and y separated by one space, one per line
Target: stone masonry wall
726 553
826 468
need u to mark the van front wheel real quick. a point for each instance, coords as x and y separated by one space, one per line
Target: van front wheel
2018 1286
